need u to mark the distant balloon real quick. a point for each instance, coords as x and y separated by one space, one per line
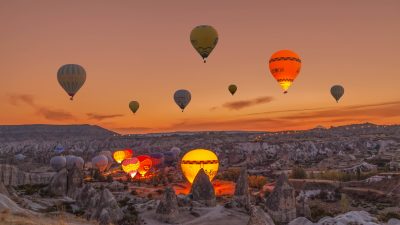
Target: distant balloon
71 77
128 153
157 159
285 65
204 38
58 149
134 106
100 162
232 89
58 162
74 161
130 166
20 157
108 154
182 98
337 92
176 151
145 164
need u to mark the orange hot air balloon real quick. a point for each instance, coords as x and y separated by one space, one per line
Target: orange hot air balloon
285 65
145 164
119 155
128 153
130 166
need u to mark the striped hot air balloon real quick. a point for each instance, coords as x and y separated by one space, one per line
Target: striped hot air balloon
71 77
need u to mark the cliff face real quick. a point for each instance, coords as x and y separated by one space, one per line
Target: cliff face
11 175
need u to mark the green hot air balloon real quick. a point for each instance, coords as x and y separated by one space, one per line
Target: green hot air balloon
134 106
182 98
232 89
71 77
337 92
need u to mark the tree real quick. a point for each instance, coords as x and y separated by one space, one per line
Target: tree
298 173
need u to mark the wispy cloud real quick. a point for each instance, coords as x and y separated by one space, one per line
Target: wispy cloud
48 113
100 117
238 105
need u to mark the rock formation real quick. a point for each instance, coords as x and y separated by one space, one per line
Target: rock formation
58 184
281 203
302 208
353 217
168 210
203 190
74 180
259 217
241 197
11 175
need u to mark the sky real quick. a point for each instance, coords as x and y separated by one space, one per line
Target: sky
140 50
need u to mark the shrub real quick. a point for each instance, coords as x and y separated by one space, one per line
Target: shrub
257 181
298 173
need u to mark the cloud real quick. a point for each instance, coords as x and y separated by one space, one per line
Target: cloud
238 105
48 113
99 117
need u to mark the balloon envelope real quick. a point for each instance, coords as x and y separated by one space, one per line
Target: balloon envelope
130 166
204 38
182 98
71 77
134 106
232 89
145 164
284 66
196 159
119 155
58 162
157 159
337 92
58 149
100 162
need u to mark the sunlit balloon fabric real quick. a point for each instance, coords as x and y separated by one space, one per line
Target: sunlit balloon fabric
196 159
145 164
128 153
130 166
284 66
337 92
119 155
204 38
71 77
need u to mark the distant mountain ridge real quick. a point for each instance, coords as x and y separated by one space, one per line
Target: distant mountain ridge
45 132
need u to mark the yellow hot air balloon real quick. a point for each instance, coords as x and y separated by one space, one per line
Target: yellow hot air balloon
119 156
232 89
285 65
204 38
71 77
130 166
134 106
196 159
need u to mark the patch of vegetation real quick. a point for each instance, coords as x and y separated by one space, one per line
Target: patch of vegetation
389 215
134 192
130 216
231 174
318 213
257 181
30 189
123 202
298 173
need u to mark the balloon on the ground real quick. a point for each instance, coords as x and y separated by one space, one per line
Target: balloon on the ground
128 153
119 155
157 159
182 98
176 151
100 162
58 162
58 149
232 89
134 106
196 159
71 77
108 154
284 66
20 157
74 161
337 92
130 166
204 38
145 164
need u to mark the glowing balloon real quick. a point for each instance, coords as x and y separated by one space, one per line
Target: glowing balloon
204 38
71 77
134 106
182 98
119 155
232 89
145 164
337 92
196 159
58 162
130 166
285 65
128 153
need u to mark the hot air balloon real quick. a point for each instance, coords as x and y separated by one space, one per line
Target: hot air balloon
182 98
145 164
134 106
204 38
74 161
176 151
100 162
232 89
130 166
285 66
58 162
157 159
128 153
169 158
58 149
119 155
108 154
337 92
71 77
196 159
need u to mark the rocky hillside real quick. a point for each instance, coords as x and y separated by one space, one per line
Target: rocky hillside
10 133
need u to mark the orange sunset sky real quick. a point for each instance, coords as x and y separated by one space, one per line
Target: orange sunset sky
140 50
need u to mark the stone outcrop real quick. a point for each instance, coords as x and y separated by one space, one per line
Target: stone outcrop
74 181
168 210
281 203
241 198
203 190
302 208
353 217
259 217
58 184
12 176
